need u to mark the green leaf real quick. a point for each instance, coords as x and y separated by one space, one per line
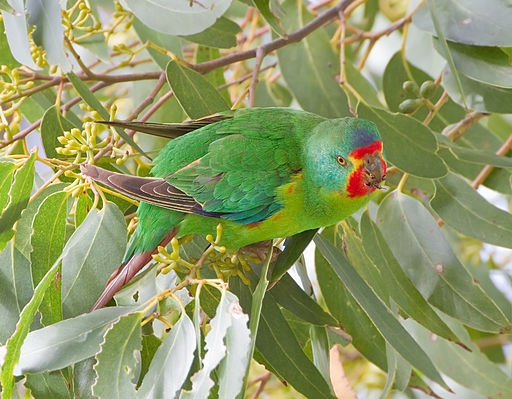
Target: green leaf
163 378
117 362
180 17
222 34
53 125
460 206
66 342
217 347
294 246
379 314
49 33
93 252
470 21
19 195
271 95
290 296
95 104
478 96
310 66
487 65
48 242
5 52
16 287
342 305
271 17
49 385
10 354
195 94
167 42
477 373
400 131
17 35
397 283
426 256
6 173
5 6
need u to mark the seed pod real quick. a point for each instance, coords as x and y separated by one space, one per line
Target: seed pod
427 89
411 87
410 105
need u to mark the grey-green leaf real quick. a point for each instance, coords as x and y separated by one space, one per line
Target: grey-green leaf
385 321
177 17
424 253
481 23
195 94
93 252
460 206
163 378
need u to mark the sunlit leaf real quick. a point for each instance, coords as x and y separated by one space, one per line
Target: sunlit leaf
180 17
463 208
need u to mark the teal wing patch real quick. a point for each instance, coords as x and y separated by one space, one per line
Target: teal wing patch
238 177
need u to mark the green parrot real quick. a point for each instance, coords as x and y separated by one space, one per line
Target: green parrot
262 173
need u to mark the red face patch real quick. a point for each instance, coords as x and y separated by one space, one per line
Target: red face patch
356 185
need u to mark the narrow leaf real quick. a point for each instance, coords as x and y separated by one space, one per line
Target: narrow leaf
163 378
117 362
53 125
424 253
6 173
399 287
93 252
313 58
19 195
195 94
460 206
381 316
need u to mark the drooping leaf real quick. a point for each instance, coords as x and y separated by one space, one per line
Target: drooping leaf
463 208
49 33
426 256
49 385
383 319
180 17
116 365
85 266
314 59
471 369
19 195
163 378
16 31
195 94
471 22
399 287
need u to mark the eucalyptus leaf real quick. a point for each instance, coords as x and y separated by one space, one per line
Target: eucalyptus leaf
463 208
470 21
179 17
195 94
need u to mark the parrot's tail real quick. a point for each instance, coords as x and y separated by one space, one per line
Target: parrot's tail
124 273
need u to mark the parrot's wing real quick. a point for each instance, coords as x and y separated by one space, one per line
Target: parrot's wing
239 176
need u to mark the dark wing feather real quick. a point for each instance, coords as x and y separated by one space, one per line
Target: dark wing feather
169 130
151 190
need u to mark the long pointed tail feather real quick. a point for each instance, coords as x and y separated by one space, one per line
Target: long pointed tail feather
124 273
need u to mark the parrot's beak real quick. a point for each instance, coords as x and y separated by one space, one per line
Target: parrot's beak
374 170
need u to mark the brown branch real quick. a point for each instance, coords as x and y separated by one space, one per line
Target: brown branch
266 48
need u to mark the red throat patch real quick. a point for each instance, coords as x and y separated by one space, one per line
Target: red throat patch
356 186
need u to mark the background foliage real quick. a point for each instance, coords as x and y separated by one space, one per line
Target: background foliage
398 300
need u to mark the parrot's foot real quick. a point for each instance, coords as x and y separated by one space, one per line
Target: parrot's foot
260 250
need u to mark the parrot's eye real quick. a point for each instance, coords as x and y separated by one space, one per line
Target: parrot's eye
342 161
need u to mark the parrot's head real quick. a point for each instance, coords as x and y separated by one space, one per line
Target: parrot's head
345 156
